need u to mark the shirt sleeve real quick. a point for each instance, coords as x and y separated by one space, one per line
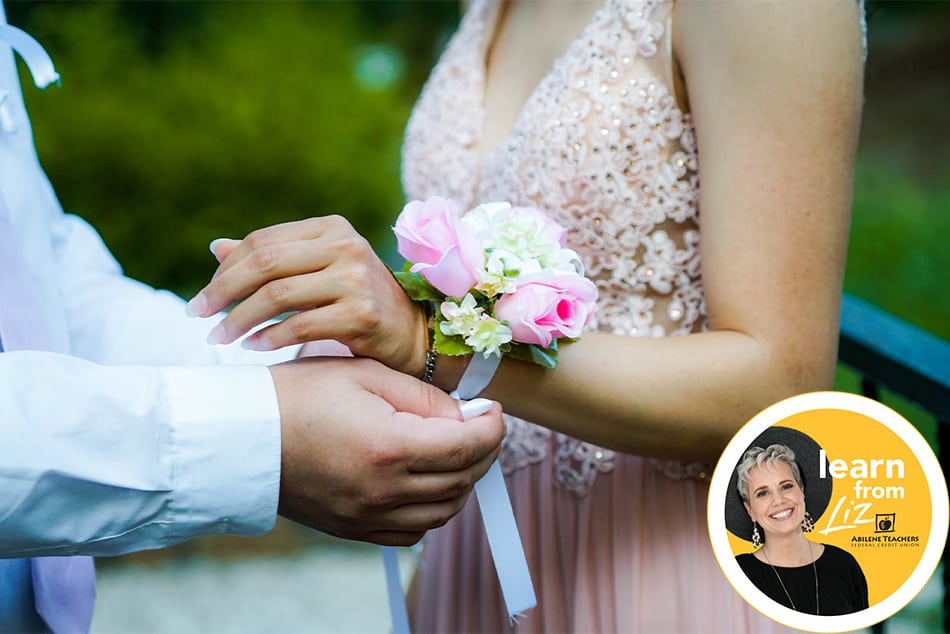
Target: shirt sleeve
142 435
104 460
132 433
114 319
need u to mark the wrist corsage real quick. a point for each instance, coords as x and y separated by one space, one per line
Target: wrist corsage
500 278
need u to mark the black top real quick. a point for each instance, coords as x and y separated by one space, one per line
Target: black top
842 588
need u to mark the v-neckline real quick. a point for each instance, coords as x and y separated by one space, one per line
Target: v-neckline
496 8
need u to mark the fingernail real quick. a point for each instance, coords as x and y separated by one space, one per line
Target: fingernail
214 245
217 335
474 407
197 306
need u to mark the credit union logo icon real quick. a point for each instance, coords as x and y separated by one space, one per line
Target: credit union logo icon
884 522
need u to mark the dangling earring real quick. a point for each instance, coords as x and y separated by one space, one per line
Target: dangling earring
756 538
808 525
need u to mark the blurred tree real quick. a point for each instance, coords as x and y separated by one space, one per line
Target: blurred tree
898 257
180 122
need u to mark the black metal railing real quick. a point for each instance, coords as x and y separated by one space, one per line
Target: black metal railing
895 355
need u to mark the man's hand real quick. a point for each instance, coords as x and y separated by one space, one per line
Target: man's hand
331 282
375 455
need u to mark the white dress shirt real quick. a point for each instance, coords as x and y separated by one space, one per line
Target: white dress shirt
133 433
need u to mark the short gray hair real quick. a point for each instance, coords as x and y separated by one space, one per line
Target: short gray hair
756 457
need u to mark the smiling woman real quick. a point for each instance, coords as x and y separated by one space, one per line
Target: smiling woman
800 574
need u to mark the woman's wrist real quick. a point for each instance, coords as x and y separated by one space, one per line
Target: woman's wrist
442 371
449 371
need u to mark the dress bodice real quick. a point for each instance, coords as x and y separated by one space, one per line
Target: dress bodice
601 145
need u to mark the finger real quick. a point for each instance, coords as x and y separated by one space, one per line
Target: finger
413 518
222 247
443 445
263 256
409 395
296 231
395 538
327 309
277 264
326 318
425 487
246 269
276 234
466 457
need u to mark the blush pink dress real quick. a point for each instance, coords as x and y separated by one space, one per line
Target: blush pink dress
615 542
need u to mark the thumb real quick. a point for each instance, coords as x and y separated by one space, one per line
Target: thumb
409 394
442 445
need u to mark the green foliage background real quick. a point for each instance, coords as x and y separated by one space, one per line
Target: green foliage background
179 122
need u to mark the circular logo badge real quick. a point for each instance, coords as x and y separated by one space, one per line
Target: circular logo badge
850 512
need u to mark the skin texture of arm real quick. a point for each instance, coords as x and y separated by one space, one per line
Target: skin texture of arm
775 91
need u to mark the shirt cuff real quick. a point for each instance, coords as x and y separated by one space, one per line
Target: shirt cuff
225 441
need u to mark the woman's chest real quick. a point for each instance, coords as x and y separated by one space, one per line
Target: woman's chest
587 125
525 44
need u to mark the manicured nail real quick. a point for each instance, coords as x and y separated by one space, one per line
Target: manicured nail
475 407
197 306
217 335
213 247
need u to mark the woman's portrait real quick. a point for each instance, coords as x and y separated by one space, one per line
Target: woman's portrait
778 489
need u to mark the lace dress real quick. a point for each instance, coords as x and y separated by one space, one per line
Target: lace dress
615 543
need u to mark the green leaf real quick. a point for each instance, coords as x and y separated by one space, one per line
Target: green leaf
450 345
519 352
417 287
546 357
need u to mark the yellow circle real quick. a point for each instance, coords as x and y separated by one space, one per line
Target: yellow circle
880 506
888 506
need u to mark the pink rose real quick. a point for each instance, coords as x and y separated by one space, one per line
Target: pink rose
428 236
548 308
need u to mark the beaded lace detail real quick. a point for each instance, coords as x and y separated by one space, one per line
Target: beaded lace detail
602 146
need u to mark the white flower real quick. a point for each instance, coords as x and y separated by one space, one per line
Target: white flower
526 236
525 232
502 270
488 335
569 262
462 318
483 333
482 219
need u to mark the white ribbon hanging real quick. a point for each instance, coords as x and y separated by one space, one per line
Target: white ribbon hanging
35 56
397 600
504 540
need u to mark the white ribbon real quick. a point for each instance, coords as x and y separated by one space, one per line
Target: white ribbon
397 600
504 541
35 56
